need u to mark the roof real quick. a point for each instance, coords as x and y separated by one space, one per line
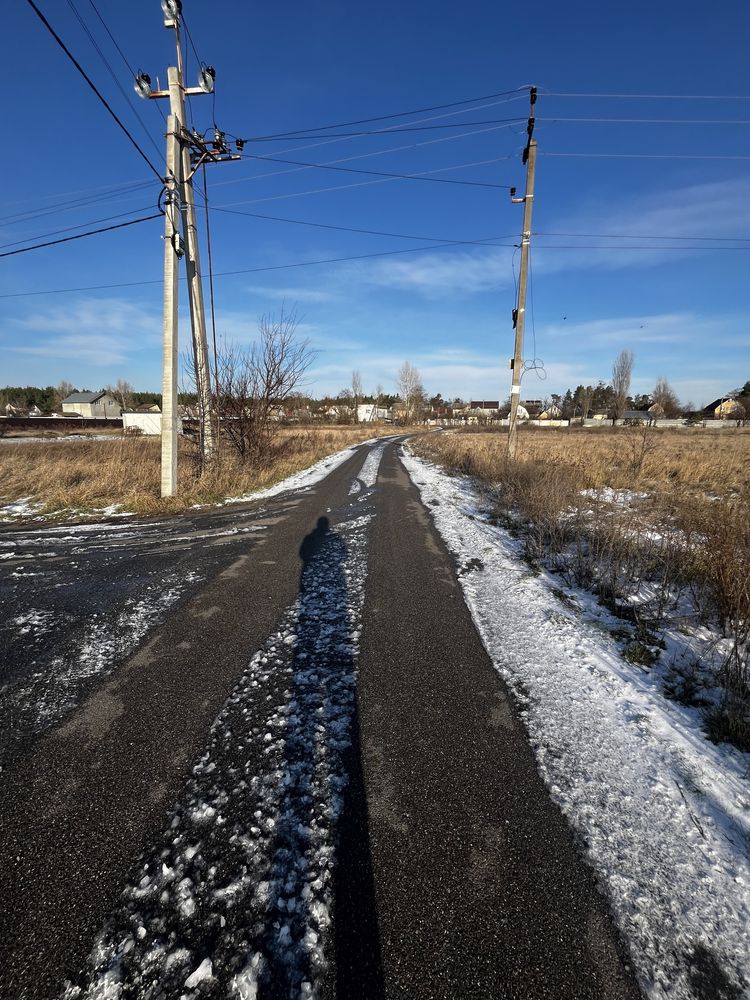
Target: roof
83 397
484 404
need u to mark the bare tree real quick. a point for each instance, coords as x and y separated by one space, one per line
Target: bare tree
622 373
122 391
63 390
665 397
357 393
254 382
411 391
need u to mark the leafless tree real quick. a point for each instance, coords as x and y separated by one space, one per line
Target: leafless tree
63 390
622 373
411 391
357 393
254 382
122 391
665 397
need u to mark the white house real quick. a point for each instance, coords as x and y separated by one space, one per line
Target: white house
368 412
91 404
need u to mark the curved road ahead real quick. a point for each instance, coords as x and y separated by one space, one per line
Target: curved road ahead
261 752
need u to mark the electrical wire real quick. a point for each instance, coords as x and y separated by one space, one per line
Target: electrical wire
66 206
366 232
337 187
661 236
80 236
327 260
649 121
659 97
112 73
375 173
650 156
396 130
69 229
93 86
124 58
405 114
249 270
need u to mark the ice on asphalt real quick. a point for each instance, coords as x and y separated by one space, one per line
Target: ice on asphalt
662 814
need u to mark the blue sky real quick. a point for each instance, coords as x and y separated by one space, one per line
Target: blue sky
281 67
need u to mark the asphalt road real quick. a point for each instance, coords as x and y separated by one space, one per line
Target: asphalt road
135 738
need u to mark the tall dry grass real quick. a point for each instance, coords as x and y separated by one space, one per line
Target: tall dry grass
653 521
88 475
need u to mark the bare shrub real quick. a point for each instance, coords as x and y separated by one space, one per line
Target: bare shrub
254 382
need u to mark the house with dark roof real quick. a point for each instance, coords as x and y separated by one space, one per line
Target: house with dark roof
724 408
91 404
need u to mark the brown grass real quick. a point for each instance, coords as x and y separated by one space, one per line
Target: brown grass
692 460
85 475
682 530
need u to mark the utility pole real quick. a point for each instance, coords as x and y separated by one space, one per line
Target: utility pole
181 167
519 313
172 253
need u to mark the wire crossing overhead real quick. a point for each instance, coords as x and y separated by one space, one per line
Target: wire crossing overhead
80 236
93 86
374 173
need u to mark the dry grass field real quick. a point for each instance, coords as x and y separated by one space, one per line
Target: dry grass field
655 522
93 474
692 460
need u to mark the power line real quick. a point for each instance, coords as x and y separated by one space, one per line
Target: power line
112 73
124 58
649 121
70 229
366 232
375 173
80 236
661 236
92 85
652 156
400 114
335 187
391 131
65 206
334 260
573 246
250 270
659 97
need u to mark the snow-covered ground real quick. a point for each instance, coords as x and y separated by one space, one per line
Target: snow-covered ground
238 890
662 814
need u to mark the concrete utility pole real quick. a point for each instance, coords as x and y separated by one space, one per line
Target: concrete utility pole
181 146
172 253
519 313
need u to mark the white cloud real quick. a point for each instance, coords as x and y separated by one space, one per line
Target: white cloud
291 295
98 332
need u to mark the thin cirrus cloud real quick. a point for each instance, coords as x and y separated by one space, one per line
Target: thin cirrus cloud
698 210
97 332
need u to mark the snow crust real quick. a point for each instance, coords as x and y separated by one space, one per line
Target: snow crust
662 814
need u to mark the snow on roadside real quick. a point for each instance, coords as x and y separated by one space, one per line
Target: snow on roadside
43 696
664 815
306 477
236 896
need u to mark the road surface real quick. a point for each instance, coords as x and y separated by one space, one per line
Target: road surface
261 752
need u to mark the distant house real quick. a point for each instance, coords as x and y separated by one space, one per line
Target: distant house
723 409
91 404
147 408
369 412
551 413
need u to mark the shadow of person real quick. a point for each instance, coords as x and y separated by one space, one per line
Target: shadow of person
321 868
